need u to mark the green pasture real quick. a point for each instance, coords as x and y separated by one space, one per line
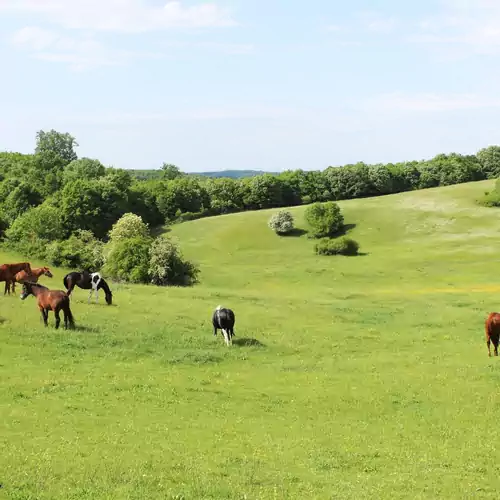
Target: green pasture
349 378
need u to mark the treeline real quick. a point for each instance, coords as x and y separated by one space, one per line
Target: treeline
51 194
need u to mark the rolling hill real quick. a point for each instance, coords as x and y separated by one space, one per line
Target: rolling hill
350 377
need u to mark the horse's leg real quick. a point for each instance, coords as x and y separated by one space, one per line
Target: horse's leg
65 319
488 343
58 317
495 345
90 295
215 331
7 287
45 315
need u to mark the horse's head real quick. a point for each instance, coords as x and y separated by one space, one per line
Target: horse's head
109 298
46 272
27 290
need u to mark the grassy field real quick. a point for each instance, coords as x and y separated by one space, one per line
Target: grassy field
350 377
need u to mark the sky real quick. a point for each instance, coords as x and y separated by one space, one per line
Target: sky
251 84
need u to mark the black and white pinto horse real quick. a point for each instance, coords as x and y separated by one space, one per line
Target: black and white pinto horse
88 281
224 319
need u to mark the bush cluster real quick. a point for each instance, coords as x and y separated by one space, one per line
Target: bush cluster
133 255
324 219
339 246
281 222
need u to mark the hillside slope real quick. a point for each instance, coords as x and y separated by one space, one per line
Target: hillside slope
350 377
407 237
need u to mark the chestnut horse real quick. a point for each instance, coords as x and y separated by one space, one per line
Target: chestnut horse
34 276
49 300
492 328
8 272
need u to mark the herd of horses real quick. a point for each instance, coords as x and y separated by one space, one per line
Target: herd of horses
59 300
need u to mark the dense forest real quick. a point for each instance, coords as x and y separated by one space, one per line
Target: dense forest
51 196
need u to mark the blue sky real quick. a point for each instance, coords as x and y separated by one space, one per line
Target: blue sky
257 84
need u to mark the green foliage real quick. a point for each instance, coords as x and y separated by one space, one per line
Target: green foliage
167 265
325 219
281 222
61 144
84 169
170 172
224 195
263 191
20 199
338 246
43 222
184 194
491 198
81 251
129 260
128 226
92 204
142 201
489 158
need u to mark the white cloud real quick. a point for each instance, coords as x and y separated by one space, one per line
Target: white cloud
79 53
129 16
464 28
203 114
227 48
378 23
430 102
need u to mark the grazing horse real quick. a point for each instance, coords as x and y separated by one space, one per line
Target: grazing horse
49 300
492 328
34 276
224 319
88 281
8 272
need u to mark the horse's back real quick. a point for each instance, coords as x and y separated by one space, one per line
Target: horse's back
52 299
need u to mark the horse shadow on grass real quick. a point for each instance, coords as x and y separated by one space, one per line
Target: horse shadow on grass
87 329
247 342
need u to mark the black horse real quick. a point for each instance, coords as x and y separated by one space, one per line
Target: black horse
88 281
224 319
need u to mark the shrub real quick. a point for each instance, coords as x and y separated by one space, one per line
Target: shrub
82 250
128 225
491 198
128 260
325 219
39 223
168 267
340 246
281 222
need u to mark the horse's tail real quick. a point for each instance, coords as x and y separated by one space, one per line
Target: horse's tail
487 326
71 319
65 281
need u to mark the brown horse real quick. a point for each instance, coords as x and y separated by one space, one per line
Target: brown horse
34 276
492 328
8 271
49 300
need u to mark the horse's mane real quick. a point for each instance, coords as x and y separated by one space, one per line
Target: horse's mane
31 283
105 286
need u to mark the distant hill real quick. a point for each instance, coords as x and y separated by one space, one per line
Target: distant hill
231 174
